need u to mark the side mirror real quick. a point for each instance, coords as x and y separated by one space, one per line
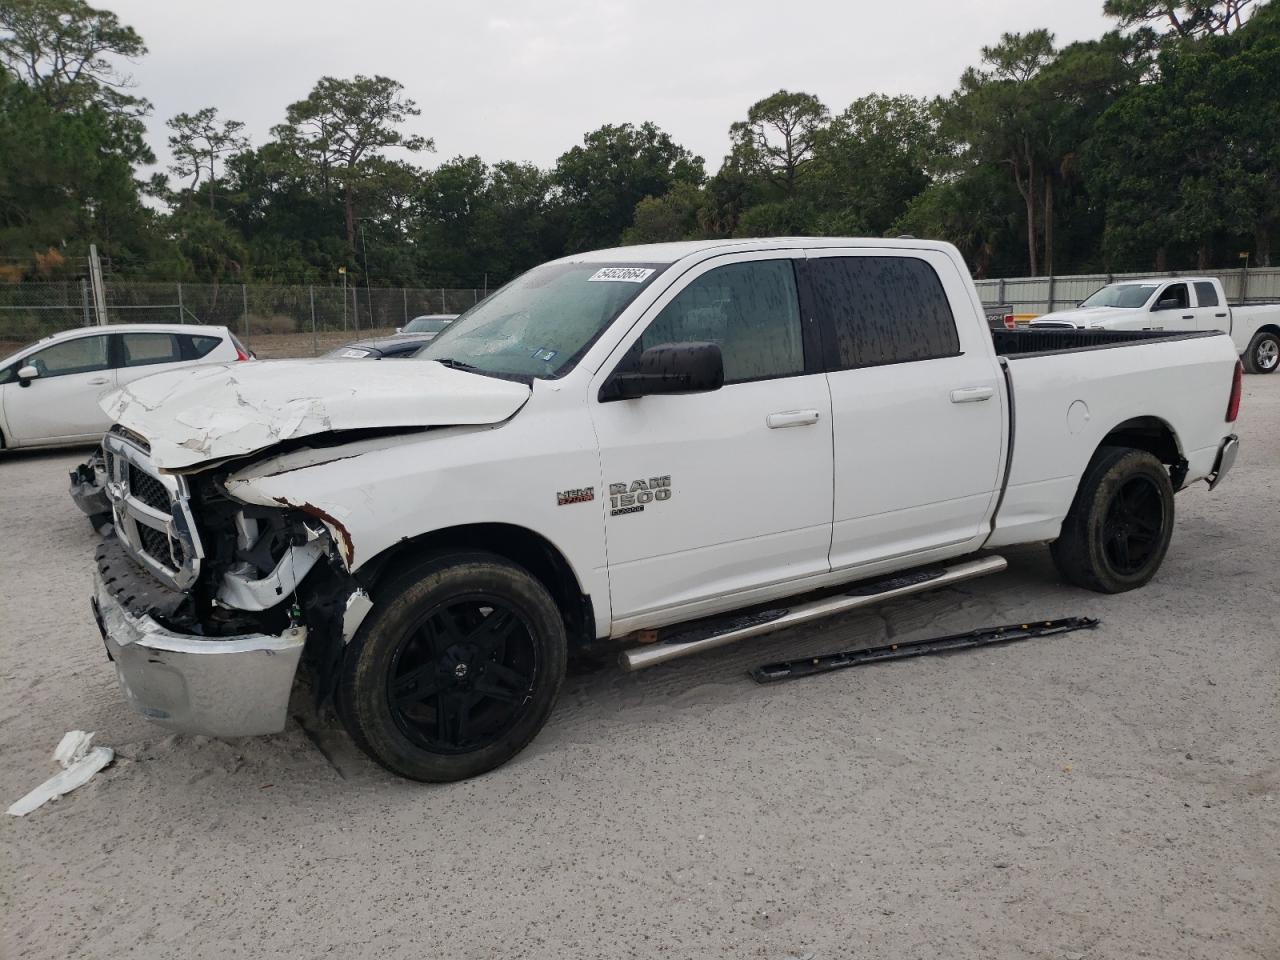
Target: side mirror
399 329
26 375
1167 305
669 368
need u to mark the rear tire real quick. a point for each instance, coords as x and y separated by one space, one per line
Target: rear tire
1263 354
455 670
1117 531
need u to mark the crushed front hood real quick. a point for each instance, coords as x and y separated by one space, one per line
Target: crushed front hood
216 411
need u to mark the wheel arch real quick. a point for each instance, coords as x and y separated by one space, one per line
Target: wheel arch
522 546
1154 435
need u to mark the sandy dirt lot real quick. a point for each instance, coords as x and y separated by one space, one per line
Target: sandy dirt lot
1111 794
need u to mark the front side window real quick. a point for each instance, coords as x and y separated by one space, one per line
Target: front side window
1174 297
883 310
81 355
1206 295
750 309
541 323
141 349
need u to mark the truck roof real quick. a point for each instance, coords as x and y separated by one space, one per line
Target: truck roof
671 252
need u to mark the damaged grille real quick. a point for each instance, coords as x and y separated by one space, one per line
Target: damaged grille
152 514
149 490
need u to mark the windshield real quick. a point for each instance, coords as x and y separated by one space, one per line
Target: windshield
1121 295
426 325
541 323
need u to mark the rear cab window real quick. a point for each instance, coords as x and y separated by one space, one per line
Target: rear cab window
1206 293
878 310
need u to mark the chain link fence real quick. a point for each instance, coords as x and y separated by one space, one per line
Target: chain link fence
274 320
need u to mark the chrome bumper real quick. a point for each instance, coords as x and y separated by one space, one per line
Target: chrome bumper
1226 460
222 687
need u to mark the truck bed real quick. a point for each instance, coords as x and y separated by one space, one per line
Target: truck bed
1025 343
1068 390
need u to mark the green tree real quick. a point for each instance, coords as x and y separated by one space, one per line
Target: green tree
1184 20
1000 113
616 167
870 161
199 141
342 125
777 139
672 216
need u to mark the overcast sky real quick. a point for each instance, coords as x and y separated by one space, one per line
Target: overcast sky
525 81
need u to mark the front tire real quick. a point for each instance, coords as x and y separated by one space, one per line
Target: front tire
1118 529
1263 354
455 670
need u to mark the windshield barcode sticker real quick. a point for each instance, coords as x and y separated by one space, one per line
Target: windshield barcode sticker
621 275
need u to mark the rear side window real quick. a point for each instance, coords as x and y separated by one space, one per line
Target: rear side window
198 347
750 309
1206 295
141 349
882 310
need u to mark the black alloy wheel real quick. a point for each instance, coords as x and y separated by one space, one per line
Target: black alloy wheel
455 669
462 676
1134 526
1117 531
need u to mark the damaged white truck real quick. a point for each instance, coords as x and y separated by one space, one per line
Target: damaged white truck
654 450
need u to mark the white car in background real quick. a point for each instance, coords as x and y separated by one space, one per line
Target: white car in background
50 391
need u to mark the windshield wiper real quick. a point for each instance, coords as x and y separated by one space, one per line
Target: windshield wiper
453 364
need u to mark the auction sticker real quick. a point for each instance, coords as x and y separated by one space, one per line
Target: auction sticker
621 275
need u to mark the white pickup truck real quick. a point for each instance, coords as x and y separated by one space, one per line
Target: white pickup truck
1184 303
652 450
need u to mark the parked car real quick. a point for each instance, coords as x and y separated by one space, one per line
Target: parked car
624 449
50 390
1185 303
406 341
381 348
429 324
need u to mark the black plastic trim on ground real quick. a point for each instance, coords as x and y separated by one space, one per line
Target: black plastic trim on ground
982 637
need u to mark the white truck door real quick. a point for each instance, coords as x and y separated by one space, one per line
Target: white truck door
710 494
1172 309
61 404
917 403
1211 310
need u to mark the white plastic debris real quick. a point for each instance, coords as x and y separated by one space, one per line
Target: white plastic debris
79 763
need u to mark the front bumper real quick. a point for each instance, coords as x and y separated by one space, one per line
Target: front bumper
222 687
1225 461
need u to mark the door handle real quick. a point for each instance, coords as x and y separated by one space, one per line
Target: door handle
1188 316
972 394
791 418
1219 315
98 381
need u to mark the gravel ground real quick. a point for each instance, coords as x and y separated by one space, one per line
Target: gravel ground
1113 793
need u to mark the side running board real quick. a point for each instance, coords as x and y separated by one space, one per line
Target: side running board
707 637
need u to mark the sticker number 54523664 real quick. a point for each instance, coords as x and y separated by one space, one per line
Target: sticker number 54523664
621 275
